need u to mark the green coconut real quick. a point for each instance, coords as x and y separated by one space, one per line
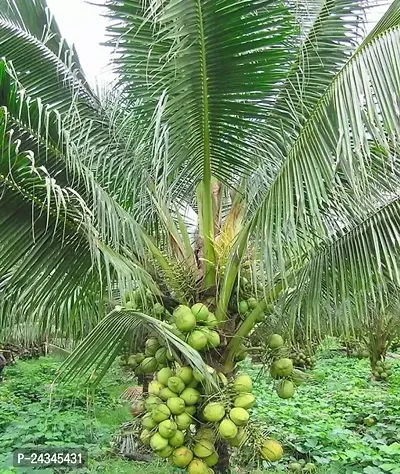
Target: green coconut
148 423
160 413
203 448
167 428
183 421
190 396
161 355
309 467
212 321
285 389
213 412
163 375
158 309
197 339
149 365
271 450
177 439
166 393
190 410
211 460
132 362
185 374
242 384
145 437
176 384
243 307
182 457
157 442
239 416
227 429
198 376
155 387
252 303
283 367
184 318
198 467
137 408
166 452
213 338
193 383
205 433
200 311
152 345
151 402
275 341
176 405
273 371
295 467
245 400
238 439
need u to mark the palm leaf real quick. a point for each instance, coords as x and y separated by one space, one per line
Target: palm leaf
216 76
350 274
95 354
333 156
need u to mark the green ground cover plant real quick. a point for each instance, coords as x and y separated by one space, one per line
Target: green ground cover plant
340 421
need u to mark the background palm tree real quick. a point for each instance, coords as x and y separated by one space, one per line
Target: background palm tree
270 128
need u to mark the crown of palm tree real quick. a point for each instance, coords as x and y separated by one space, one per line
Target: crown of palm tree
257 131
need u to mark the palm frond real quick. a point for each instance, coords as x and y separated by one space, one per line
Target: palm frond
215 75
95 354
333 156
350 276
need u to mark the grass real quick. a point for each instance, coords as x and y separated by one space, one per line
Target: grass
323 423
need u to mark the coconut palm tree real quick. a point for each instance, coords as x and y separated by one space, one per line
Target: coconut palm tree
247 149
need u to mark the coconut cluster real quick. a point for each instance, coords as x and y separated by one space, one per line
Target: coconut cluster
282 369
180 419
169 421
302 359
155 356
180 423
245 308
382 370
197 326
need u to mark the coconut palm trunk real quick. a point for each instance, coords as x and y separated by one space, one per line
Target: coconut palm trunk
245 159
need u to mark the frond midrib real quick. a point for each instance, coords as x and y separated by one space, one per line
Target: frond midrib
318 106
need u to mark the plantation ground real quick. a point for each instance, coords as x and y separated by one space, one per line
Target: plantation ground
324 423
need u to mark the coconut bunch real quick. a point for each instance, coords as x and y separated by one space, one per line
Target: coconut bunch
302 358
169 419
282 369
182 422
360 353
155 356
395 344
196 326
246 306
382 370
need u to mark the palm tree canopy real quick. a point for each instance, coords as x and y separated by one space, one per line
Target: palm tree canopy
275 122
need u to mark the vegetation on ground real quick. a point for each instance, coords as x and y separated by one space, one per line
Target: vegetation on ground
340 420
241 171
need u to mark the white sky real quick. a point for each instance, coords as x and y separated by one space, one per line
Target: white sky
83 24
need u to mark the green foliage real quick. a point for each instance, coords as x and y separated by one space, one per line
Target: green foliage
324 422
340 420
34 414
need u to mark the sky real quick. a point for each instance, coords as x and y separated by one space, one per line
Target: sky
83 24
